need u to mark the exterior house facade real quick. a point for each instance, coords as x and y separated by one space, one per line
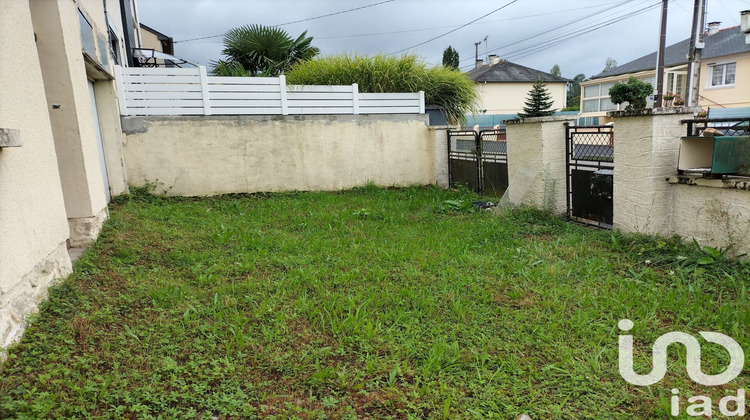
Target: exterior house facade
502 86
60 140
724 74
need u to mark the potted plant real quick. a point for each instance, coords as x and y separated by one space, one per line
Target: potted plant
679 101
668 99
702 114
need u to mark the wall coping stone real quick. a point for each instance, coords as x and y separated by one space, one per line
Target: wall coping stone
552 118
732 182
654 111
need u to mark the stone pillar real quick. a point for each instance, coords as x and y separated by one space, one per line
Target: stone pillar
647 145
536 163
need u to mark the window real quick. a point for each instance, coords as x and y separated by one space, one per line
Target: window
722 74
87 35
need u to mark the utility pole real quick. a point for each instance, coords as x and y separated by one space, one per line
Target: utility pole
694 55
660 55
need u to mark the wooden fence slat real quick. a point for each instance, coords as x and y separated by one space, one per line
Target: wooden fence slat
216 80
243 88
171 103
247 111
310 103
226 103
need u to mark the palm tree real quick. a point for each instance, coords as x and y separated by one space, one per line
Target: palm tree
256 50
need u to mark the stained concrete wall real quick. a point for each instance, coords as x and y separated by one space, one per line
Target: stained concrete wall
649 196
536 163
647 146
195 156
33 225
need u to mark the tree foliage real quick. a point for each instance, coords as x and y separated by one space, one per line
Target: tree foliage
450 58
452 91
257 50
555 70
573 102
609 64
634 92
538 102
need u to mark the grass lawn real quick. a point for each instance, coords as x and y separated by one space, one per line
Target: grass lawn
371 303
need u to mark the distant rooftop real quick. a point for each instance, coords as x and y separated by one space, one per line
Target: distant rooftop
725 42
505 71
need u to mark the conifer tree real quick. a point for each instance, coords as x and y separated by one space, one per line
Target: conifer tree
538 102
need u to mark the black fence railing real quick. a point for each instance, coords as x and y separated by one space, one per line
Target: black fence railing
718 126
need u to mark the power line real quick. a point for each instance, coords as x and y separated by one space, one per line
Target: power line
547 31
298 21
549 43
456 26
454 30
521 53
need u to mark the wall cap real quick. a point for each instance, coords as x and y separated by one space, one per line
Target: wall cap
654 111
552 118
734 182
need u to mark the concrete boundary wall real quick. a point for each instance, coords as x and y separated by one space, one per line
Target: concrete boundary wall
210 155
649 196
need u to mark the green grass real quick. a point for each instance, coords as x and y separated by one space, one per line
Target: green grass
371 303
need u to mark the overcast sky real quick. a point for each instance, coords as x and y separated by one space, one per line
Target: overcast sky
578 35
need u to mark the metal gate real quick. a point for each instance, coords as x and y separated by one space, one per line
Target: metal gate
589 154
478 160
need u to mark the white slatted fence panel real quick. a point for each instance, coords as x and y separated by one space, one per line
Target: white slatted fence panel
176 91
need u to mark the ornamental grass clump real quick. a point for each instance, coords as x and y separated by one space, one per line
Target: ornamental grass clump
450 90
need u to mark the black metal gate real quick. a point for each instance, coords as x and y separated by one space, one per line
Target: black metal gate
589 154
478 160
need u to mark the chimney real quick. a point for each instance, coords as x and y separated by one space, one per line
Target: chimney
480 62
745 24
494 59
713 27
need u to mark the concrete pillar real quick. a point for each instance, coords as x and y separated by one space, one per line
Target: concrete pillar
440 135
647 145
536 163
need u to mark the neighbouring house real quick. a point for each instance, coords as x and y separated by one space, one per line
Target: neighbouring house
60 139
502 86
724 75
155 40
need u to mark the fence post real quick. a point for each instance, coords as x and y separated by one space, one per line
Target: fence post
421 102
355 98
282 92
204 90
121 91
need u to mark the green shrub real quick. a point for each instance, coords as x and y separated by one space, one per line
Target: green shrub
634 92
447 89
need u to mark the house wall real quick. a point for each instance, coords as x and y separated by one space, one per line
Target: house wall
509 98
66 75
150 40
729 97
33 225
195 156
